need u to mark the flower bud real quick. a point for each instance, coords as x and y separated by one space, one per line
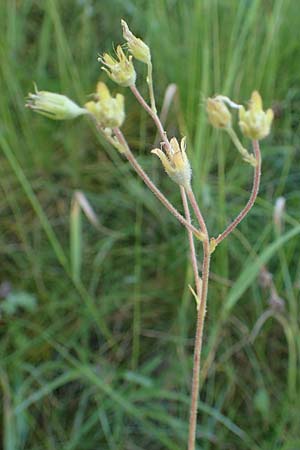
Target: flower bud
255 123
54 106
136 46
175 162
218 113
108 111
121 69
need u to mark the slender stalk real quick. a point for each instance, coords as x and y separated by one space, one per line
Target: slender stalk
200 323
150 85
130 157
254 193
153 114
197 211
193 256
243 151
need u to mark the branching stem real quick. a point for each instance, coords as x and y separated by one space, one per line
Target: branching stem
132 160
201 284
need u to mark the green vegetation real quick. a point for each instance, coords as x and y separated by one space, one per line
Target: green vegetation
97 320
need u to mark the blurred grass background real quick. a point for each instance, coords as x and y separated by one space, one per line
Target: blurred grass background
97 325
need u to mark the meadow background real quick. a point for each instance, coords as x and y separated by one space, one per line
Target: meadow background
97 323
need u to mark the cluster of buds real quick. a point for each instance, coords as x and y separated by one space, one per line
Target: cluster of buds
175 161
254 123
108 111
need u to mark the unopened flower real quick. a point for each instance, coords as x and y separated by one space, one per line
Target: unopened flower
136 46
120 69
218 113
54 106
107 110
175 161
255 123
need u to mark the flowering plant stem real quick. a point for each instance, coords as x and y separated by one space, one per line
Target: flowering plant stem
251 201
200 283
108 114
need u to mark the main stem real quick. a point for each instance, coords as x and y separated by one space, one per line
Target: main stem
251 201
200 323
200 287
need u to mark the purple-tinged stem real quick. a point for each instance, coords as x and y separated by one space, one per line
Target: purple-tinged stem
254 193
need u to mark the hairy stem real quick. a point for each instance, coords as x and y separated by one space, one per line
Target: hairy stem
132 160
250 203
197 211
200 323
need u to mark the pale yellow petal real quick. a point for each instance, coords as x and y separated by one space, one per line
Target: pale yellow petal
242 113
174 144
166 163
102 91
256 101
